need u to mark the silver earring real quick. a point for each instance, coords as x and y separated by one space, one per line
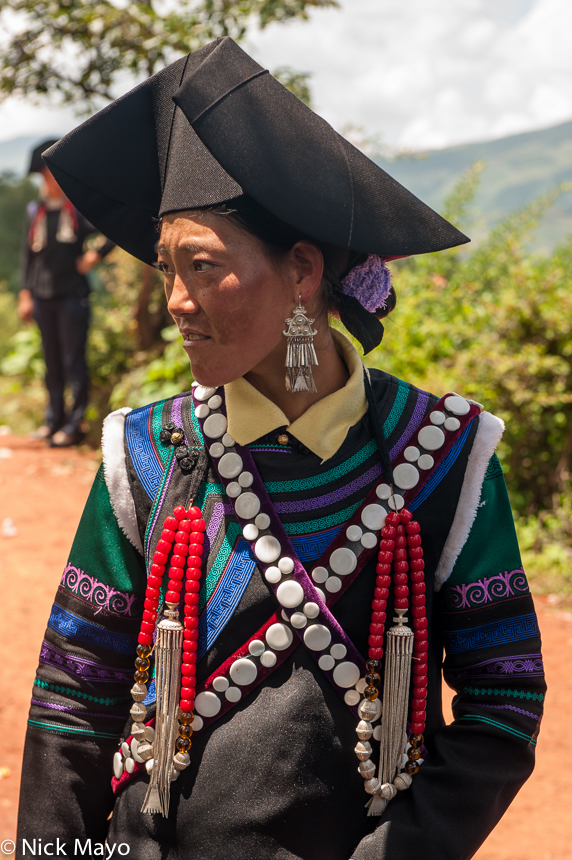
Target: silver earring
301 354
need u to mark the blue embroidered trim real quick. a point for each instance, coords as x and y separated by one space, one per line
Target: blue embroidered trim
69 625
142 451
312 547
226 596
496 633
441 470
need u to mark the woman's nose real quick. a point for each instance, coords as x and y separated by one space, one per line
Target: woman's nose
180 301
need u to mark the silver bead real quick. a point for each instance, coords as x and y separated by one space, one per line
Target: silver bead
366 768
149 734
145 751
364 730
138 712
367 710
363 750
181 760
138 731
372 786
138 692
388 791
149 765
129 764
402 781
174 774
125 749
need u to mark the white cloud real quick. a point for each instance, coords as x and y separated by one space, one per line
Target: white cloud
417 73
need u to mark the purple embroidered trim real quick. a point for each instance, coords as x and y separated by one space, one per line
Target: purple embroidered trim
301 505
414 423
521 666
535 717
99 594
487 590
280 450
77 711
87 670
176 413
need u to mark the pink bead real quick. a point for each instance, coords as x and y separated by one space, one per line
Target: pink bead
381 593
415 552
145 638
384 557
387 545
178 561
420 623
188 670
154 581
191 598
400 555
388 531
149 615
375 641
179 513
383 581
392 519
192 585
400 579
401 603
191 623
194 513
418 716
157 569
181 537
375 653
379 605
152 593
163 546
413 528
376 629
418 587
417 728
168 535
378 617
187 706
180 549
401 591
419 692
401 567
405 516
172 596
197 537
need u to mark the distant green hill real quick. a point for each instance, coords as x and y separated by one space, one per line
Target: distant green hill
518 169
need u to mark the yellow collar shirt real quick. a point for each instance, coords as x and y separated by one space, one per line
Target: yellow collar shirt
322 428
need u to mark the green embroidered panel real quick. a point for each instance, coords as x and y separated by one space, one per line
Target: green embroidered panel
156 427
397 409
69 691
481 719
101 548
491 546
325 477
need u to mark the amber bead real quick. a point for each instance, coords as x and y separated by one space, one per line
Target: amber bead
373 679
185 731
142 663
413 754
371 693
373 665
411 768
186 718
143 650
416 741
141 677
183 744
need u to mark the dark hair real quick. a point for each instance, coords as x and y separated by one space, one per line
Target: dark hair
278 237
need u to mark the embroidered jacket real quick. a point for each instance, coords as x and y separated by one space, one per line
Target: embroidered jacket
275 777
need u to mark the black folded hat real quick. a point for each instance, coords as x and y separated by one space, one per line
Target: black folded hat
36 161
215 125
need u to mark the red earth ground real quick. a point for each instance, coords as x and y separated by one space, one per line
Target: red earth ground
43 491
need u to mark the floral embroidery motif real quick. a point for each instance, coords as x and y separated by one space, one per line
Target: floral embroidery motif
498 587
520 666
99 594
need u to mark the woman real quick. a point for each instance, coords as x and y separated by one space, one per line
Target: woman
316 521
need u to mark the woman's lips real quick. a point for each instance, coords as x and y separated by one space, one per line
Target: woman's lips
190 338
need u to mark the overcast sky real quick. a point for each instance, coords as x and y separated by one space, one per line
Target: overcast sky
418 73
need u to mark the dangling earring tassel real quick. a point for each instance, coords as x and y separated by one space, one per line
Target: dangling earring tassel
300 354
168 678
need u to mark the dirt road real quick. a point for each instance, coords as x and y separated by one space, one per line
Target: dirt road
42 492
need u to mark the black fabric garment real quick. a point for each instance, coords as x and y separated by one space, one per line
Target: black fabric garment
236 130
51 273
276 778
63 324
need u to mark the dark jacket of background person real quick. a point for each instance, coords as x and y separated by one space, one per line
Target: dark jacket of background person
51 273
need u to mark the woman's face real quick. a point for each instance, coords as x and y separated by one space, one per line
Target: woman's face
225 295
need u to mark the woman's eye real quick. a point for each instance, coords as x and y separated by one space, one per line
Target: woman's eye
162 267
201 265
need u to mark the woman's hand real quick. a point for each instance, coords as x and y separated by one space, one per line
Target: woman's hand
25 306
86 262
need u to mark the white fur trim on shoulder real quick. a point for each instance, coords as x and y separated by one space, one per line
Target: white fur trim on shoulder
115 471
486 440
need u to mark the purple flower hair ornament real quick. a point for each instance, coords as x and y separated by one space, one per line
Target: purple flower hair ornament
369 283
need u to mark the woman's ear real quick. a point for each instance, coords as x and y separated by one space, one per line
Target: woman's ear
308 267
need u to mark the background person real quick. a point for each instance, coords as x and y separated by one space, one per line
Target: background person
54 292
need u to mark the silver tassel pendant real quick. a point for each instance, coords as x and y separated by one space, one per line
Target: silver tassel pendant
399 651
168 647
300 354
